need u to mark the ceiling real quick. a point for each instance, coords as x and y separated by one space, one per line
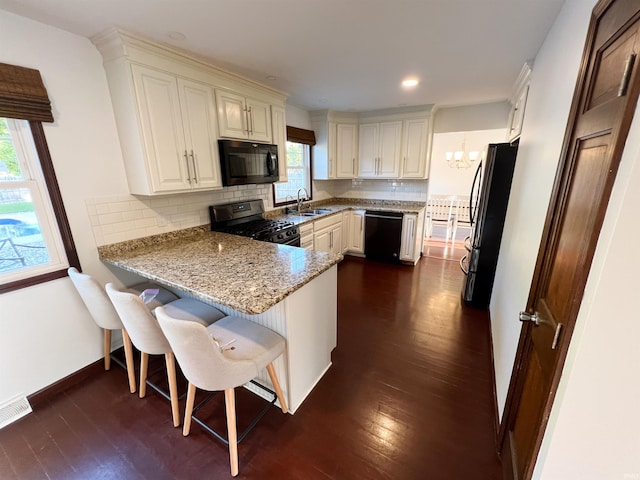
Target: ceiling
339 54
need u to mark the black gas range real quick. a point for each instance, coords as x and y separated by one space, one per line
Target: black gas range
247 219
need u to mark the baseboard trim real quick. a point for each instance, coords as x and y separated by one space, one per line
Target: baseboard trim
496 413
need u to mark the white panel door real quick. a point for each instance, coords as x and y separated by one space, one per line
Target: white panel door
232 118
414 149
389 153
347 147
259 116
322 241
368 151
409 223
159 108
198 118
356 234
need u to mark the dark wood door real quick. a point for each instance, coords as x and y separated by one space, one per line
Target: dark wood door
603 106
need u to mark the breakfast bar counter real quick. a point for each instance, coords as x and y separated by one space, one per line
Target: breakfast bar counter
236 272
290 290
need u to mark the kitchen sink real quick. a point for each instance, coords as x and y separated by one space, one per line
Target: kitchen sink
313 213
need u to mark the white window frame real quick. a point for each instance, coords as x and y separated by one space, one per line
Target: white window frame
289 199
34 181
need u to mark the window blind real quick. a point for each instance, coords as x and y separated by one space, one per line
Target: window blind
23 94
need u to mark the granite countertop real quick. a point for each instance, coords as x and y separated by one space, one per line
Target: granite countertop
243 274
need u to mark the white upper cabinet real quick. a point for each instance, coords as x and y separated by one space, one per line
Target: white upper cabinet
167 117
379 148
242 117
519 103
336 150
177 118
346 150
279 126
414 149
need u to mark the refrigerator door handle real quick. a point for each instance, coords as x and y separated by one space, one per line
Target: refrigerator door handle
462 260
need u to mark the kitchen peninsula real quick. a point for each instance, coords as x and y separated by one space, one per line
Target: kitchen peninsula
289 290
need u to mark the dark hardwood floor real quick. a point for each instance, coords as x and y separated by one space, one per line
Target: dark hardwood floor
409 396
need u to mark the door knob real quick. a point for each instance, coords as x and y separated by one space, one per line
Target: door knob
528 317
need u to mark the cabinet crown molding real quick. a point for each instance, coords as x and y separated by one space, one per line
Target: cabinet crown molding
521 82
115 43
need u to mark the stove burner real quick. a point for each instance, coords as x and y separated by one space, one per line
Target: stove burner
248 222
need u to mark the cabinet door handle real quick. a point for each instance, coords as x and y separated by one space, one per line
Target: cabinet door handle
404 164
186 159
353 167
249 121
195 170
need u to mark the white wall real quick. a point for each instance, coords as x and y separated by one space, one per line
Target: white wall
46 331
486 116
445 180
552 83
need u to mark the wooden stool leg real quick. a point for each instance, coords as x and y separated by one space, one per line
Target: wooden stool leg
191 395
230 404
144 366
107 349
173 387
276 386
128 355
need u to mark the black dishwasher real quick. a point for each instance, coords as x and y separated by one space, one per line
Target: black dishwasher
383 233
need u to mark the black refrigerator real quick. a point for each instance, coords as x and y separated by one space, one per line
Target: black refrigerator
488 208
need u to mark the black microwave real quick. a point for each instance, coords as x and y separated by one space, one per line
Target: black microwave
244 163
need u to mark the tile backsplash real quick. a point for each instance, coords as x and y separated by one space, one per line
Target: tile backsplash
126 217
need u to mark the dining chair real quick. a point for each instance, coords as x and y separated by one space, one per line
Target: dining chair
101 310
146 335
220 357
440 210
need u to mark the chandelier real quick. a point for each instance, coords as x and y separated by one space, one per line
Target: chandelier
461 158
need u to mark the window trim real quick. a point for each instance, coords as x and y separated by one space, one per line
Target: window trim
61 219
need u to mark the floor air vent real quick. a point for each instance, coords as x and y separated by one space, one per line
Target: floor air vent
14 409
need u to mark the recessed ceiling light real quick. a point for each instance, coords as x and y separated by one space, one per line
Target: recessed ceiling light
410 82
176 35
271 78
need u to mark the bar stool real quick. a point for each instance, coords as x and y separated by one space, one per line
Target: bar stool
101 310
225 355
146 335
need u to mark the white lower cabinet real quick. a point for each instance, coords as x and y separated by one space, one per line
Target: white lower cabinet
356 232
412 233
306 236
327 234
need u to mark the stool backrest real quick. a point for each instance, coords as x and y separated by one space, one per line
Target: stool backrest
199 356
141 325
96 300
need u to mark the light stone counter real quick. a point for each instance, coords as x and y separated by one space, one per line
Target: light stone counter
243 274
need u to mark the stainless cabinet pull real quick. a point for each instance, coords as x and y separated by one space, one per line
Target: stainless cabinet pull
626 75
353 166
249 121
195 170
186 159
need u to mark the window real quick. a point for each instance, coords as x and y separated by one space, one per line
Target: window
299 143
35 239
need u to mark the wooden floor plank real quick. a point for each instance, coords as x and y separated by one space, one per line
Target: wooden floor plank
409 396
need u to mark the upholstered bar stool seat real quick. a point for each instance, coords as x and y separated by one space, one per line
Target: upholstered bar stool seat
225 355
101 309
146 335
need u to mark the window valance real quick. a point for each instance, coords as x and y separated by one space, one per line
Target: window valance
23 94
300 135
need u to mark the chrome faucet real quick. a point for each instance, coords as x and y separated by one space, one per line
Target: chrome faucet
299 202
